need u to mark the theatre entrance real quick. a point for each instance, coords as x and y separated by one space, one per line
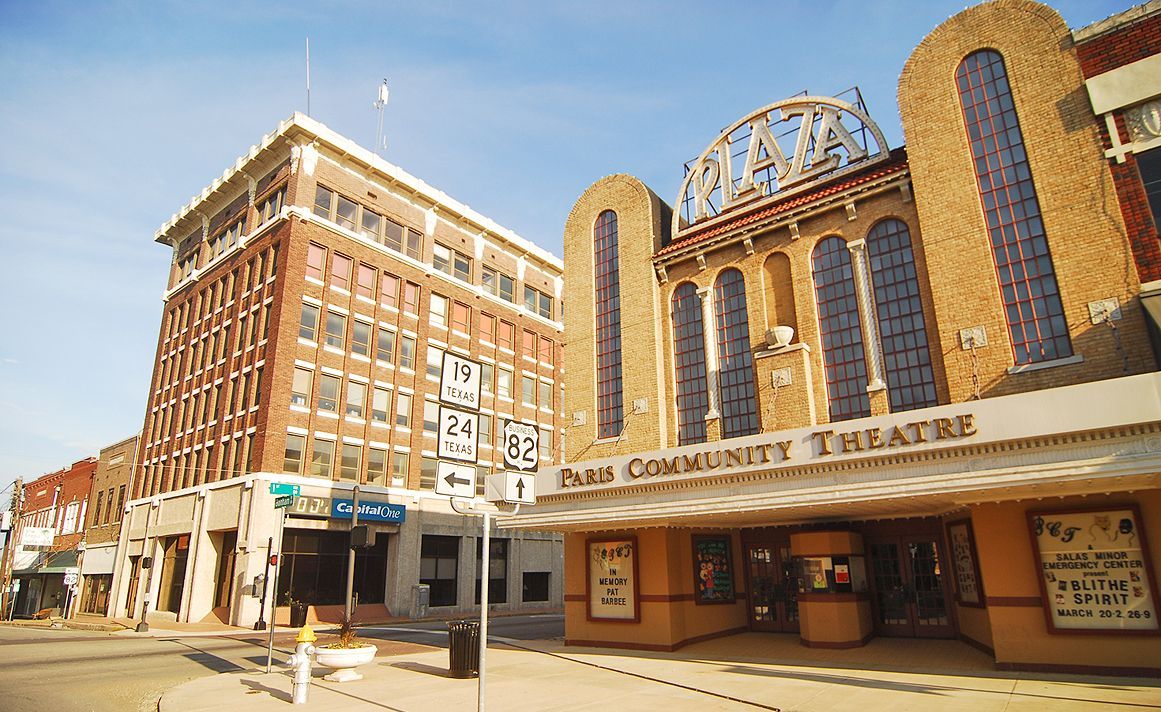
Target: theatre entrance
772 587
908 590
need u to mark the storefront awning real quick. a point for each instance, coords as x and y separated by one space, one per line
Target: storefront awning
58 561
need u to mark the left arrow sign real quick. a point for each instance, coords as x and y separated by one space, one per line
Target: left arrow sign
455 480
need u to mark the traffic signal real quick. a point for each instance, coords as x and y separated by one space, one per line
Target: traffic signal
274 559
360 537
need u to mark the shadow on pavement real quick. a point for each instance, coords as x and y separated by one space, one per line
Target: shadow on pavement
419 667
209 660
257 687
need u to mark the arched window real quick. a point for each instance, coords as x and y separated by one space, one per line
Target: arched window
689 365
736 373
608 327
838 325
1019 248
902 331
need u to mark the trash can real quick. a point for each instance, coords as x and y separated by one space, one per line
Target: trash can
464 648
297 614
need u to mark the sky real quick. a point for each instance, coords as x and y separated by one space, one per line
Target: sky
113 114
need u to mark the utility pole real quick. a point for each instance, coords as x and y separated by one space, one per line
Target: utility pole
351 552
10 555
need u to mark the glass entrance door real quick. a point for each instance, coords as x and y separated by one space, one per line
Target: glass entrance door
910 599
772 587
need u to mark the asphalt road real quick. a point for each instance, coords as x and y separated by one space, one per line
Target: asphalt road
44 670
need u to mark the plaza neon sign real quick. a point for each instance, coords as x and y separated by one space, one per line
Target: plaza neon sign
789 146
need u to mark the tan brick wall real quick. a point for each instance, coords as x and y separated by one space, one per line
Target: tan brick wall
1085 231
115 466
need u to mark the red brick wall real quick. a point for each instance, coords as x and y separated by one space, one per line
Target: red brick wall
1123 46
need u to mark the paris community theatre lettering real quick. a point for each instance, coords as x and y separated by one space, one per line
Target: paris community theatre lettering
824 443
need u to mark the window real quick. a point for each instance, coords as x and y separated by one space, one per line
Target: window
336 329
461 317
366 281
546 350
292 460
528 390
487 328
371 224
504 383
377 466
322 459
341 271
345 211
451 262
314 568
427 471
608 326
356 399
407 351
438 562
411 297
434 361
902 330
1149 166
385 346
272 205
735 374
497 569
328 392
842 335
361 338
380 405
689 365
307 324
393 235
529 342
403 410
537 302
485 430
430 417
349 465
1027 278
545 395
499 284
545 440
97 511
399 465
535 586
322 202
414 244
506 336
438 314
389 290
487 374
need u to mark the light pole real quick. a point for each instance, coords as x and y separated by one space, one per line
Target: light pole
147 570
351 552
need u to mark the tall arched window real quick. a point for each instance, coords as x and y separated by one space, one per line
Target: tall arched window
689 365
1028 287
838 325
606 274
736 373
902 330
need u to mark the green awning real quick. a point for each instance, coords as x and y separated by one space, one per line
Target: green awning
58 561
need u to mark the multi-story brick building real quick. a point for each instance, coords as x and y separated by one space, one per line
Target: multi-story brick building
112 488
844 390
54 508
314 291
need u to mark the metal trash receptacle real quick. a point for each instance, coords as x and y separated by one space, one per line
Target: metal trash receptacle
464 648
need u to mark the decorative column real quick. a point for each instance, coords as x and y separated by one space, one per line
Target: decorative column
871 345
709 333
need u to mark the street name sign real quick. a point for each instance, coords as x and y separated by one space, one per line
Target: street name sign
280 488
521 446
459 382
283 501
459 433
455 480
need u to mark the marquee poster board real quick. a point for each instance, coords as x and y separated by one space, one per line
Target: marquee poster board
612 580
969 587
713 570
1094 570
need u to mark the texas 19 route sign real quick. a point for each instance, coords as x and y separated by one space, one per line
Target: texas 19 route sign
459 382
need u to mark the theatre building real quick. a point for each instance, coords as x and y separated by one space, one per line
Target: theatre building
842 390
314 290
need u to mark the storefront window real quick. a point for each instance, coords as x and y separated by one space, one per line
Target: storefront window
438 562
314 569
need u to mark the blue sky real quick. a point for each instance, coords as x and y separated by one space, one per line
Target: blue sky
114 113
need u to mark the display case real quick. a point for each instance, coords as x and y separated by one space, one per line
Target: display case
831 574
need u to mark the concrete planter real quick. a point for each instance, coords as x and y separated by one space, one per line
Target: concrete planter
343 661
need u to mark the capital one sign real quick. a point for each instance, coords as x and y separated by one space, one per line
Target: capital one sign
779 149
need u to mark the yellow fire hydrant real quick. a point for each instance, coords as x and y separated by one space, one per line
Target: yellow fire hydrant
300 662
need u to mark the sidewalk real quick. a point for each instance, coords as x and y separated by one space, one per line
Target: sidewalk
743 672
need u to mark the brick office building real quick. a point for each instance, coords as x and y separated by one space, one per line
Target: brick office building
897 392
314 290
56 504
112 488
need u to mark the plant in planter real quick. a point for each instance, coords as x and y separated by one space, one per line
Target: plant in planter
345 654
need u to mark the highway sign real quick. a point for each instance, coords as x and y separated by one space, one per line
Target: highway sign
519 487
70 579
521 446
459 433
280 488
283 501
455 480
459 382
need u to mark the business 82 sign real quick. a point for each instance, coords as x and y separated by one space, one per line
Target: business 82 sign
521 446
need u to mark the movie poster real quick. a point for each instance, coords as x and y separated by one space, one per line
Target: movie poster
963 556
613 579
1094 571
713 570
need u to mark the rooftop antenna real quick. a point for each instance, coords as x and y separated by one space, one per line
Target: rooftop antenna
308 76
380 104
